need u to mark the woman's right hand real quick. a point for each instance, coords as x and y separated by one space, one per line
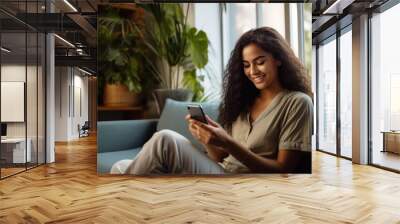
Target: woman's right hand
214 152
195 130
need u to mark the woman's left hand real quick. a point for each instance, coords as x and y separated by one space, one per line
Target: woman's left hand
211 133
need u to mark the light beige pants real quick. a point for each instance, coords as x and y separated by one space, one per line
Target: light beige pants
168 152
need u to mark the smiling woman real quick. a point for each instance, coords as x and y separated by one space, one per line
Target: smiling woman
265 116
266 105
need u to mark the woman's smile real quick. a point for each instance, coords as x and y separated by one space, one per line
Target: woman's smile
258 79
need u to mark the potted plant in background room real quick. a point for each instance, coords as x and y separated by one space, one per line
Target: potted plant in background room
123 78
180 49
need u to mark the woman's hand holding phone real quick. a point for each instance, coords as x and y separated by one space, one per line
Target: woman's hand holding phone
209 134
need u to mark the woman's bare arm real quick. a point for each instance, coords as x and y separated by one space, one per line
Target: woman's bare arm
216 136
286 162
215 153
219 144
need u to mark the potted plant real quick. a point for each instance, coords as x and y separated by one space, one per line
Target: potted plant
180 49
121 56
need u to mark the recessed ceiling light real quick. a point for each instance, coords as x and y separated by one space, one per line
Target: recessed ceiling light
64 40
70 5
337 7
5 50
84 71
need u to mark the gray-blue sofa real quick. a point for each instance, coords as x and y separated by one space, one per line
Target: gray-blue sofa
117 140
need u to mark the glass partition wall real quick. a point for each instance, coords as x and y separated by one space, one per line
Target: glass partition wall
22 87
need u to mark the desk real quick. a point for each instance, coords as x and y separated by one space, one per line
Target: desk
13 150
391 141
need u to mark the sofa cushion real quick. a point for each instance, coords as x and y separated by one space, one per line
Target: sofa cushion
105 160
173 117
125 134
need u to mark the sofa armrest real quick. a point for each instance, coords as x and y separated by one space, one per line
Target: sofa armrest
122 135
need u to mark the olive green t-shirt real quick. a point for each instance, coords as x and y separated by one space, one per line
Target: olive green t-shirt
286 124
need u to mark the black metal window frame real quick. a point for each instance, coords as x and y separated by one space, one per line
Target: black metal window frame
387 5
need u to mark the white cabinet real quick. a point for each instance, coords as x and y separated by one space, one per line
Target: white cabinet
16 147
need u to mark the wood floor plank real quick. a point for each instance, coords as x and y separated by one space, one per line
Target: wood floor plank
70 191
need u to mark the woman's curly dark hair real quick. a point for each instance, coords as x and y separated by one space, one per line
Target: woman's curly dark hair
239 92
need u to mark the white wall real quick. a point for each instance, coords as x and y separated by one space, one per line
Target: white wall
71 102
33 127
61 103
15 72
81 103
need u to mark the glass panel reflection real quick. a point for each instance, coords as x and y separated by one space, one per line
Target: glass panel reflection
327 97
385 84
15 149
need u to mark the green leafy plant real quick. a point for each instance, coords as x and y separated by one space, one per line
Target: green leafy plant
121 54
182 48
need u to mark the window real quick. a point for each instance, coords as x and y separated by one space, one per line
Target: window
294 29
346 93
269 14
327 96
385 84
237 19
225 23
208 21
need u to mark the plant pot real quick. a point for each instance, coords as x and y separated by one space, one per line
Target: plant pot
118 95
161 96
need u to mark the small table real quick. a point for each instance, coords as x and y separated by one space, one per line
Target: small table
391 141
13 150
120 113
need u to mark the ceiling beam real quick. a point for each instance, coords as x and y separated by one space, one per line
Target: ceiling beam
82 61
86 26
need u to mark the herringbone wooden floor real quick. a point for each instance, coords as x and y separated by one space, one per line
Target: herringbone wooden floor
70 191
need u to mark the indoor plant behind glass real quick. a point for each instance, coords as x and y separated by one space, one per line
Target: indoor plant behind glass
180 50
121 56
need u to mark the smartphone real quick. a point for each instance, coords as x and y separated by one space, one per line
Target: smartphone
196 112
